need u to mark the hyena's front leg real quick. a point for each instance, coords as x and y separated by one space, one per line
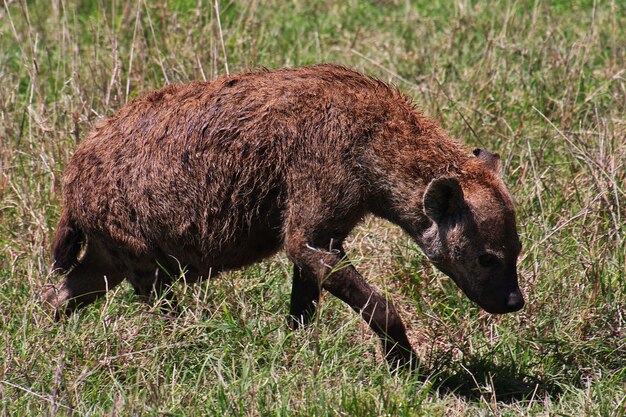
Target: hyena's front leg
379 312
305 294
336 275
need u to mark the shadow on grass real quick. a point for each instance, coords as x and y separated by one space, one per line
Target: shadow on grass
482 379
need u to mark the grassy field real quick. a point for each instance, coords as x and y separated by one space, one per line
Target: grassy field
543 83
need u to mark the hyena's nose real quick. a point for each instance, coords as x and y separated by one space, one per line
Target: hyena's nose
515 301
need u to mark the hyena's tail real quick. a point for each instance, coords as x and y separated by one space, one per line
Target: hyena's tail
67 243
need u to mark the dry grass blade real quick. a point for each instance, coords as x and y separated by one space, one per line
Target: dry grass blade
542 83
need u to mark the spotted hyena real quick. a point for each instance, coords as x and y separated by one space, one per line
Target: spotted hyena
215 176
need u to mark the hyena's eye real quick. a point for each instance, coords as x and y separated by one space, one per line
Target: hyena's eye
488 260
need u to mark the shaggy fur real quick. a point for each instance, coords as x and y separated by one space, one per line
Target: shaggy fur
215 176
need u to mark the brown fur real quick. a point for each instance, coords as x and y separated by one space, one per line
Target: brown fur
215 176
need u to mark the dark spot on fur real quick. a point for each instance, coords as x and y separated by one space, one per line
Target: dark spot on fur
231 82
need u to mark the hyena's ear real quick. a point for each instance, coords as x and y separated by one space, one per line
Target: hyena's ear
490 160
443 197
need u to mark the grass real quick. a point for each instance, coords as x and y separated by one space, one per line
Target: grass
543 83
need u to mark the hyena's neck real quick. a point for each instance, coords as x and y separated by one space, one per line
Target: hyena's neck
400 170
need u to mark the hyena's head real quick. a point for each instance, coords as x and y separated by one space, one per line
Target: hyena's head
473 236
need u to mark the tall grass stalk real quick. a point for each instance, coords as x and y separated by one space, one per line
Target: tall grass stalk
542 83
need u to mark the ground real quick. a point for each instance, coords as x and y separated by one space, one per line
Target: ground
542 83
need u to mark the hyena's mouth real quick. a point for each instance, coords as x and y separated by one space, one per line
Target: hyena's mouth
493 302
502 302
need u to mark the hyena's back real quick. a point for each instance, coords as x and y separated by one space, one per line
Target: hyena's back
201 173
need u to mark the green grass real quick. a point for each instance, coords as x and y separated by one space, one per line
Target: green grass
540 82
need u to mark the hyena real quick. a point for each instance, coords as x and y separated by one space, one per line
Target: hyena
217 175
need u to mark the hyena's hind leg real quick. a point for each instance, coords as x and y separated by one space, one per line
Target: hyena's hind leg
94 273
152 282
